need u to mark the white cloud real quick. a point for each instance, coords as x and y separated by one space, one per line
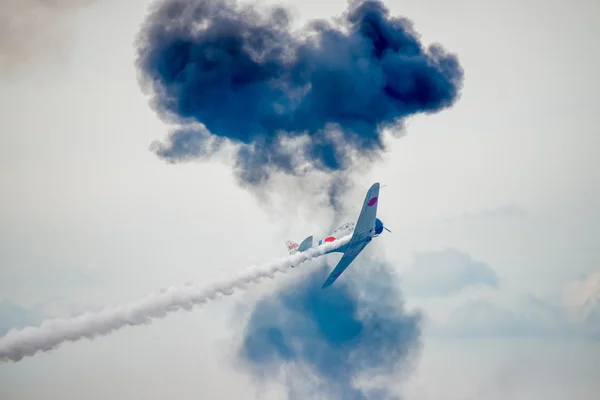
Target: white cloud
485 318
13 316
33 32
582 297
573 313
584 293
508 211
446 273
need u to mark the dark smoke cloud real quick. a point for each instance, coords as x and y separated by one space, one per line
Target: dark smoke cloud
314 100
324 340
35 31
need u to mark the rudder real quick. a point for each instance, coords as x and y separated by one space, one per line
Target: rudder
306 244
292 247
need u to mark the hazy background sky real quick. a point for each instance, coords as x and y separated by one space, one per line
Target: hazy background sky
493 206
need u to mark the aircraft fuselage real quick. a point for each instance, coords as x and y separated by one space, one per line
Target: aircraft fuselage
344 230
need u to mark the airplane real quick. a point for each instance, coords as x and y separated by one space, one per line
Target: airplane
367 227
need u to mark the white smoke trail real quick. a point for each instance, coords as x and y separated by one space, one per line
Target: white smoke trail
52 333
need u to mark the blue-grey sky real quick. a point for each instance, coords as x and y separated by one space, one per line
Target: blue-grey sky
492 204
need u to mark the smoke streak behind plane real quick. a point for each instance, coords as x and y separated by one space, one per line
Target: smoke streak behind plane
52 333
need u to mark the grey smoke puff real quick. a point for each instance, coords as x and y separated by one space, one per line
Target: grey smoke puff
357 326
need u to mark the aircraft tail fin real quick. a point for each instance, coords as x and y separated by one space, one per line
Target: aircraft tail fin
306 244
292 247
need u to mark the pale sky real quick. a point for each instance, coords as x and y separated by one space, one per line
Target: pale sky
493 205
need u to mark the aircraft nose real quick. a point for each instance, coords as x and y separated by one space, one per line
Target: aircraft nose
378 226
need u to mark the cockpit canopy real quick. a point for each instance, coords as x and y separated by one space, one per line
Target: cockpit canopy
347 226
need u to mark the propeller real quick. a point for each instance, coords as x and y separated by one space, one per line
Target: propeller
379 227
381 187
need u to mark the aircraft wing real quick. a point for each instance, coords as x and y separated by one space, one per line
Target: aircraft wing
344 263
363 230
368 213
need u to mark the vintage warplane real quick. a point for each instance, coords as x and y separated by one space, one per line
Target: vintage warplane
366 228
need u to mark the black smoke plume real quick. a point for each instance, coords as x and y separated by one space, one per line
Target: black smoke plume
291 102
322 341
